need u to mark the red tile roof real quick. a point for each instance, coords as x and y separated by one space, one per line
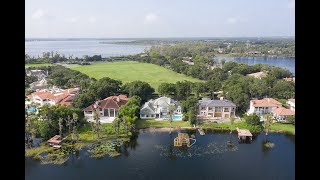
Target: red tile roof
64 97
112 102
265 102
283 111
55 139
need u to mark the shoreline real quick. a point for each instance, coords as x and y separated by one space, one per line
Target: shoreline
167 129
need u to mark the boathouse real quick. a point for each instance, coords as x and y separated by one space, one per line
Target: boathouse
243 134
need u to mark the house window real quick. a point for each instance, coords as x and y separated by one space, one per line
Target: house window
210 108
226 110
89 112
203 108
147 115
100 109
218 109
233 109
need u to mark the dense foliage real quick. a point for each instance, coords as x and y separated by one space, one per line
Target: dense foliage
138 88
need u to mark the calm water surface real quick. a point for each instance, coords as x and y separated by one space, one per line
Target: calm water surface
283 62
152 156
79 48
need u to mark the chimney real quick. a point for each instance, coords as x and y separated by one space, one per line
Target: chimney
118 98
268 99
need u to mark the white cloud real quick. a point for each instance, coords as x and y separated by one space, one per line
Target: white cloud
39 13
92 19
234 20
291 4
72 20
150 18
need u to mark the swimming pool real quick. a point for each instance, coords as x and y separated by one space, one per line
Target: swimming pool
174 117
32 109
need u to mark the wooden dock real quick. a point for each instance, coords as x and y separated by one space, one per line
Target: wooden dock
201 131
244 133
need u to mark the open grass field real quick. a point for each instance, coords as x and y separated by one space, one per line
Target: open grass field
159 124
37 65
281 127
128 71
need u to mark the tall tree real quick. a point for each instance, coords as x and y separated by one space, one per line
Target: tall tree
60 126
267 123
166 89
75 118
183 89
138 88
171 109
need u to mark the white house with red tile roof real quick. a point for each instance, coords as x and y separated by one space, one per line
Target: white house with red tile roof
282 113
263 106
54 96
107 108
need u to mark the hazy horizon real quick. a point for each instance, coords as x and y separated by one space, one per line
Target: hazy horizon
159 19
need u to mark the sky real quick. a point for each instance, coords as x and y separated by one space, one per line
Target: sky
158 18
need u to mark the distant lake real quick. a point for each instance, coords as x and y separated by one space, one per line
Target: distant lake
107 48
283 62
151 155
79 48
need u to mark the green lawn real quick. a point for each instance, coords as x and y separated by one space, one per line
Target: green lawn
128 71
37 65
280 127
157 124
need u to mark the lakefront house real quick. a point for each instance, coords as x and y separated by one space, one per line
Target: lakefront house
215 109
159 109
281 113
107 108
263 106
54 96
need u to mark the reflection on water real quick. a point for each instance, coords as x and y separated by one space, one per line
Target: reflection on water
283 62
151 155
213 150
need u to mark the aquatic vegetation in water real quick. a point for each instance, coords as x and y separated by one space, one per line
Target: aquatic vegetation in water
99 150
268 145
50 155
214 150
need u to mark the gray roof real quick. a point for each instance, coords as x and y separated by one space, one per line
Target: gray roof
217 103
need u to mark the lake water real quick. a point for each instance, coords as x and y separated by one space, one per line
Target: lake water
79 48
283 62
152 156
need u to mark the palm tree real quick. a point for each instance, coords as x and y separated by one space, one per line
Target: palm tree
75 120
116 125
60 126
232 118
125 124
97 122
267 123
172 108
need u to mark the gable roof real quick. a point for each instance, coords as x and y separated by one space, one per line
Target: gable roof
283 111
216 103
265 102
112 102
64 97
